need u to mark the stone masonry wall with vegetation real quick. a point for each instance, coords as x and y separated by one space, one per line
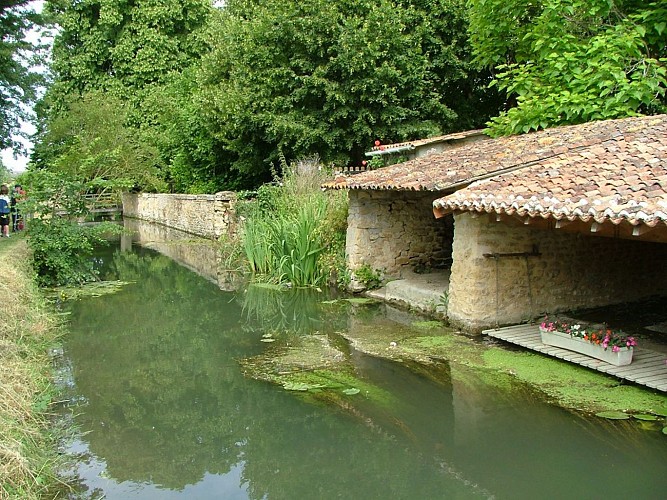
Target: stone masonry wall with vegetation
571 271
393 231
205 215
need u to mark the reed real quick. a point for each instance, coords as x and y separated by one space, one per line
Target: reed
291 225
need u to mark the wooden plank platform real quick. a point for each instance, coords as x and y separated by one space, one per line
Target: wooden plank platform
648 367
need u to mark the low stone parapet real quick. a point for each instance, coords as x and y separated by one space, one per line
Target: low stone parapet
205 215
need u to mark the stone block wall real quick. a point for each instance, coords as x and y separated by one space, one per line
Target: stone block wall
205 215
572 271
393 231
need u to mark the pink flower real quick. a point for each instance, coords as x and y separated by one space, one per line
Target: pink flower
615 348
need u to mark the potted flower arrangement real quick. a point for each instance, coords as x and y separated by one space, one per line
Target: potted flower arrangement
605 344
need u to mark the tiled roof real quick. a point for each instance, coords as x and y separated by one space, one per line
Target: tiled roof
458 167
410 145
620 175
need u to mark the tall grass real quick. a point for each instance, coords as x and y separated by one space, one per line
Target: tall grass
28 449
292 229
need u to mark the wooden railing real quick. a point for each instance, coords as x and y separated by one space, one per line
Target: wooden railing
103 202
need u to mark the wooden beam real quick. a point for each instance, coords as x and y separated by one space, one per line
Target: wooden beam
641 229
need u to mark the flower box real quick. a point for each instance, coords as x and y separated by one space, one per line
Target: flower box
621 357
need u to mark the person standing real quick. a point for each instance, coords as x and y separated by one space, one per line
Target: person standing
5 206
17 195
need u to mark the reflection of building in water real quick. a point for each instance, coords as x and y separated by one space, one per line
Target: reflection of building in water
200 255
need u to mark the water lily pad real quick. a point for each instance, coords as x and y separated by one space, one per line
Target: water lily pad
360 300
300 386
664 430
351 391
613 415
645 416
661 411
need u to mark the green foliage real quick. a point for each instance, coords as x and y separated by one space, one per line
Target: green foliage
220 93
5 174
572 61
122 47
92 142
293 231
114 64
61 248
18 57
367 276
326 78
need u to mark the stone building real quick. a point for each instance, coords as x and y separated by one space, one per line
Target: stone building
554 220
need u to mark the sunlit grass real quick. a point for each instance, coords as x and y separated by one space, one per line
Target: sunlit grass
28 453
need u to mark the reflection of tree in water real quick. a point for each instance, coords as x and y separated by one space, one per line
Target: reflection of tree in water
166 402
298 311
156 365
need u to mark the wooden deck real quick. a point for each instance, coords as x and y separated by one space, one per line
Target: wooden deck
648 367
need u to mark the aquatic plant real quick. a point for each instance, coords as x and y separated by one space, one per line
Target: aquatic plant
292 231
604 337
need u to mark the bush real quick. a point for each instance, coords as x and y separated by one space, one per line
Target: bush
293 231
61 247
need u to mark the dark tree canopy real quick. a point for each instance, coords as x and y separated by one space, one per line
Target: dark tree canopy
330 77
223 93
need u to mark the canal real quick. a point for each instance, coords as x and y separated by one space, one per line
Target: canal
163 406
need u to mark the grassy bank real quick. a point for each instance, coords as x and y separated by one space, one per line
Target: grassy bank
28 446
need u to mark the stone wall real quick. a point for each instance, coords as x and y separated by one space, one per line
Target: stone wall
393 231
571 271
203 256
205 215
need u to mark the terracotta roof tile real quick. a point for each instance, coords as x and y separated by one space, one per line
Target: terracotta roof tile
574 148
456 136
593 183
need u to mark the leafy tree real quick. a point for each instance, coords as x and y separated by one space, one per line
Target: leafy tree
108 58
121 46
329 77
90 142
5 174
572 61
17 56
191 159
61 247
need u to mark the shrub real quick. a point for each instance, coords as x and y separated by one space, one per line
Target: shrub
61 247
293 231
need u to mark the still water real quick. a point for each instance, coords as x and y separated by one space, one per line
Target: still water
163 410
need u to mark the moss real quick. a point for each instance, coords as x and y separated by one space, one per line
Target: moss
329 385
567 385
313 368
427 325
573 386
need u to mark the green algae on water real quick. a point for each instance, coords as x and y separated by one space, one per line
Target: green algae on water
573 386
